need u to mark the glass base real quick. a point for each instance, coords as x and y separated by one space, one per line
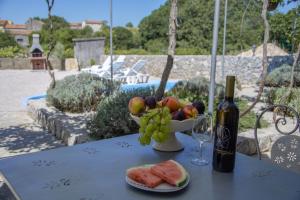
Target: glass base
199 162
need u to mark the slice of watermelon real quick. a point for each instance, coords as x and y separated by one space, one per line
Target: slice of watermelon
143 175
171 172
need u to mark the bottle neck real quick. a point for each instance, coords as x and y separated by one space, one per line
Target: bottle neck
229 92
227 98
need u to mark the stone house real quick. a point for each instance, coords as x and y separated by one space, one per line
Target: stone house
95 25
19 32
34 25
75 26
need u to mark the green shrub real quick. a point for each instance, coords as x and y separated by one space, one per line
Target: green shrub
112 117
92 62
131 52
274 95
79 93
193 89
12 52
69 53
282 76
198 89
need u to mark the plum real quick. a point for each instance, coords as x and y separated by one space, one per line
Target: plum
199 105
150 102
178 115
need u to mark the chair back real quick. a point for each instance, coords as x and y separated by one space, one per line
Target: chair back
136 68
285 150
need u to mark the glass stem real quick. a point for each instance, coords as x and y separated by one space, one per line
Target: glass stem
200 149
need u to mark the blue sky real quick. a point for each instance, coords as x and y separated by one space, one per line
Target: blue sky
78 10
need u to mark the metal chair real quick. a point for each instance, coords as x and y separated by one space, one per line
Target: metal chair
286 150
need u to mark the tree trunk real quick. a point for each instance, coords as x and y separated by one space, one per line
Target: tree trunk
287 94
265 58
171 50
51 45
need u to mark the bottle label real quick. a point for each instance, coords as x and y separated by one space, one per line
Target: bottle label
223 138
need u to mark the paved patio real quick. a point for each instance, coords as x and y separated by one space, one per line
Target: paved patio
18 132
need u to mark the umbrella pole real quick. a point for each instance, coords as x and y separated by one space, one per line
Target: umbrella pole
224 41
214 58
110 40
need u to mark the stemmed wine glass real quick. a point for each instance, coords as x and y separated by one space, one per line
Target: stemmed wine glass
202 132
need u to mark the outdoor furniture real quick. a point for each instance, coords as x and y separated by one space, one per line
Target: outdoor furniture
133 74
96 170
105 71
285 151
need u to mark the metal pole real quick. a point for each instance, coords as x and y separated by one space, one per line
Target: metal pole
110 40
224 41
214 58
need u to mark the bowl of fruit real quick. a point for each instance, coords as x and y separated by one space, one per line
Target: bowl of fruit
159 120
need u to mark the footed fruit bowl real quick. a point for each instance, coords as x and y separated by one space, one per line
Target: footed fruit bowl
160 120
172 144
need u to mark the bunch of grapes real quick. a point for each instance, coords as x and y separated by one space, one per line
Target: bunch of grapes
155 124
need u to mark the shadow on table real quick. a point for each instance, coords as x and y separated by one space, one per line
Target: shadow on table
5 193
24 139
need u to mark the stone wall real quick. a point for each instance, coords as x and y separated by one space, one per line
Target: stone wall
247 69
24 63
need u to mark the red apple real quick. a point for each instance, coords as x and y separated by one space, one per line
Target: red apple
190 111
136 105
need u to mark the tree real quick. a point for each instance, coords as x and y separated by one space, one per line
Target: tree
7 40
122 38
171 50
129 25
264 59
56 21
285 29
51 44
195 25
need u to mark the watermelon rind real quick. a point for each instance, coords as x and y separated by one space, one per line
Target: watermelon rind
138 167
181 181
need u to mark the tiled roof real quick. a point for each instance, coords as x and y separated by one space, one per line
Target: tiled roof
3 22
15 26
93 22
19 32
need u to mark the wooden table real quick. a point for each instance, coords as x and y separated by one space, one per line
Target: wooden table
96 170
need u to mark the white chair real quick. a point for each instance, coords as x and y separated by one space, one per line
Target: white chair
94 68
104 72
132 75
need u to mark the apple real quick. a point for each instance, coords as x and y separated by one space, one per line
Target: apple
172 103
136 105
190 111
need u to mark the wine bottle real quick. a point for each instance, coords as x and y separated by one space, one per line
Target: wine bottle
227 119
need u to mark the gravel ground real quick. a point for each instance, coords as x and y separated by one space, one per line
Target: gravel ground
18 132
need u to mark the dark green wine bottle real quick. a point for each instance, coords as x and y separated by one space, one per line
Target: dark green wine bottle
227 120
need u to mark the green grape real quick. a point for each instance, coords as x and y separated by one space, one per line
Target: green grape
141 130
162 136
155 136
156 119
150 129
165 129
147 140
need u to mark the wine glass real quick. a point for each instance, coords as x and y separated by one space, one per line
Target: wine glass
202 132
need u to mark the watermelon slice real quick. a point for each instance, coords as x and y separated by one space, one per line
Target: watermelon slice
171 172
143 175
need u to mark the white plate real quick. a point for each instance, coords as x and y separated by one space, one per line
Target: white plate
164 187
